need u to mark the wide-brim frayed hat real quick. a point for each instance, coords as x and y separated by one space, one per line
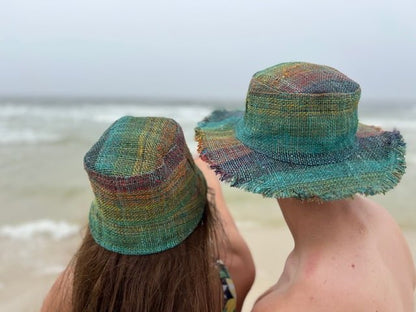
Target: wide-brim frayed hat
300 137
149 194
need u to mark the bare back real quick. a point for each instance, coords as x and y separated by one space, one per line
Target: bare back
366 267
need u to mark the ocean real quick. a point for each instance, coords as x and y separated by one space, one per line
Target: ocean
45 193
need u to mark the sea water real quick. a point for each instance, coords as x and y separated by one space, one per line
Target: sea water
45 193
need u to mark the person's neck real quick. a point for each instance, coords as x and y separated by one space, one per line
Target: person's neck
319 225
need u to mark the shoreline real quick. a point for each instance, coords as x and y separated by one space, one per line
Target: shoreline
24 283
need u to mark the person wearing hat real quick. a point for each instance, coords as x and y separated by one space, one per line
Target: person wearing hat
299 140
158 239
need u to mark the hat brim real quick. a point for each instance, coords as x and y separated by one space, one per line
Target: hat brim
375 165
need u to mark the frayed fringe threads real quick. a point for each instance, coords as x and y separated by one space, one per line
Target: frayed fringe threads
391 178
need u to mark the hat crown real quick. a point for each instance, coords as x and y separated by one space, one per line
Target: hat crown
298 137
295 111
149 194
301 78
128 148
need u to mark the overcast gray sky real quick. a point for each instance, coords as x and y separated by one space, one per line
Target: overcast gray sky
200 49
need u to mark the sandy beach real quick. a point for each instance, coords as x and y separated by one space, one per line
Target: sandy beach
267 236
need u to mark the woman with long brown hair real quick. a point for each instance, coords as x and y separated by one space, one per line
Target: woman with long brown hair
157 238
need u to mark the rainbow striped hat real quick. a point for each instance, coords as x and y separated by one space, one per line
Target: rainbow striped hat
149 194
299 137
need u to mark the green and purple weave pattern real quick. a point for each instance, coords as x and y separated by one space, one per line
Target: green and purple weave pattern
149 194
300 137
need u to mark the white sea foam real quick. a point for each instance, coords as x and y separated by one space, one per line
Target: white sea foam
99 113
31 111
109 114
179 113
40 123
10 110
27 136
55 229
31 123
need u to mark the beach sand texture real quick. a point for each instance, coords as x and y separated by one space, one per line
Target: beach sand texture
269 240
259 220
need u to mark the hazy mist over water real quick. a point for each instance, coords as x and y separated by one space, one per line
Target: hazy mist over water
193 49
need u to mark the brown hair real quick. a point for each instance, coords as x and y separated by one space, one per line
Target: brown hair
184 278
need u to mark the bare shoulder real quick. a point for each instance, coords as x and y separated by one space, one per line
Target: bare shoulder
387 230
391 241
383 226
379 214
270 301
302 298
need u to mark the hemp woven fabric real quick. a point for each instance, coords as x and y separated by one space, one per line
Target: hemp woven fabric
149 194
299 136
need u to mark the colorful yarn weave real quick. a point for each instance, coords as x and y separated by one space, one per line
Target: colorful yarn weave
149 195
300 137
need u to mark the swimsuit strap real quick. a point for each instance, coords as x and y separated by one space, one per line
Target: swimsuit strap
230 296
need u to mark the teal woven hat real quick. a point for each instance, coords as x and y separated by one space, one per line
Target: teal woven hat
149 194
300 137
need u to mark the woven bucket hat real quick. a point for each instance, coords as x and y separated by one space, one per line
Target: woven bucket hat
149 194
300 137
